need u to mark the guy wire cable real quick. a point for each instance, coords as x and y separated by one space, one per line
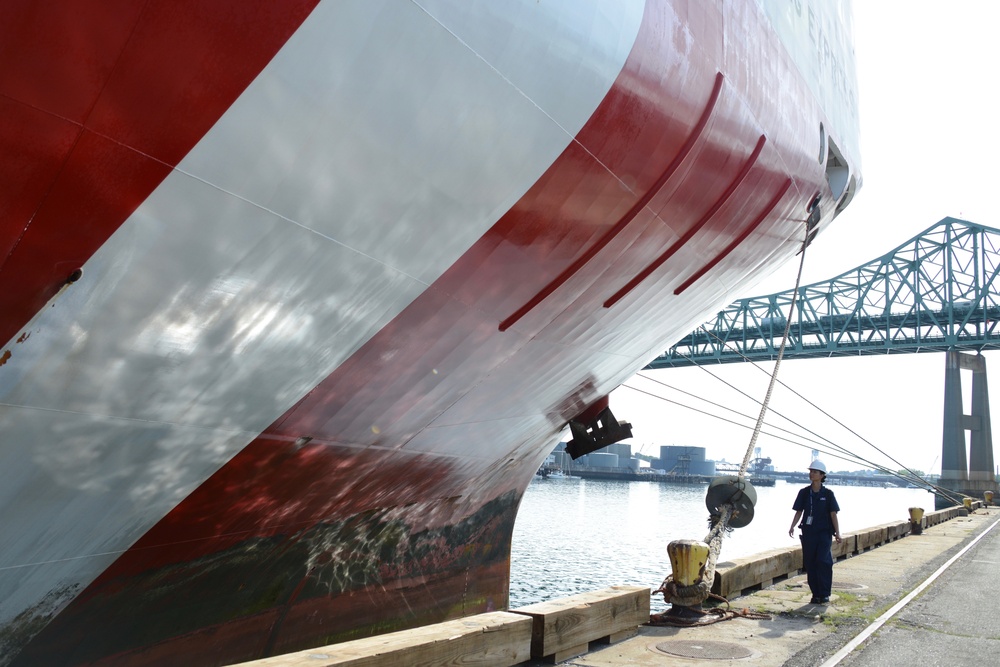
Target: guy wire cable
844 455
813 443
849 455
804 441
819 409
809 443
910 476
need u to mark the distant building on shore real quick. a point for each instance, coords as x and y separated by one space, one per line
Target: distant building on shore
618 455
678 460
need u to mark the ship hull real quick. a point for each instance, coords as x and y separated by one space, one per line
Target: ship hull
299 296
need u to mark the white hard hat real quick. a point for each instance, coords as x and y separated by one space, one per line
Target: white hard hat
818 465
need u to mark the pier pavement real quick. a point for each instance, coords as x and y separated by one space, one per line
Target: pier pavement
925 599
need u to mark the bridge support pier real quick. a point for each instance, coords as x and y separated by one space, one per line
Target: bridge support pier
977 476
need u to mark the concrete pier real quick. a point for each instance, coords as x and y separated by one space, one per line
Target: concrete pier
951 562
951 623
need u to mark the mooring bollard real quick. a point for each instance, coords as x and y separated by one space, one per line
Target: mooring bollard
988 498
686 588
916 520
730 501
687 560
967 501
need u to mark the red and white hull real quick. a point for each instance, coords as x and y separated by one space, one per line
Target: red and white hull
348 268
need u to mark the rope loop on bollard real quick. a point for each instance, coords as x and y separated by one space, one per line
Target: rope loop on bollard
694 614
684 596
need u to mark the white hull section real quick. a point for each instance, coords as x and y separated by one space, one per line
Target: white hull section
313 212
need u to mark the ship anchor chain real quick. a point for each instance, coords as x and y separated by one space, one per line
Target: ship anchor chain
730 501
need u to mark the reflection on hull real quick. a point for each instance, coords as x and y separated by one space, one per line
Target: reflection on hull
348 269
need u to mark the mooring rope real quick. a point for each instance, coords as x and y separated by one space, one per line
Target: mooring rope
691 597
777 362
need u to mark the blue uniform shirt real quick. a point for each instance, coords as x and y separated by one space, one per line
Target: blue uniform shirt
817 505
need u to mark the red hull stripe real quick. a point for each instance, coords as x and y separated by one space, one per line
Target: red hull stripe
645 273
628 217
737 241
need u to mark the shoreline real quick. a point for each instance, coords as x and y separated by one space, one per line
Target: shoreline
800 634
876 570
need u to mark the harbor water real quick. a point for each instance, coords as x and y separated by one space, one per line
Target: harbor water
574 535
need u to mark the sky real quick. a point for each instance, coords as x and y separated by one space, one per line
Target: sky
927 74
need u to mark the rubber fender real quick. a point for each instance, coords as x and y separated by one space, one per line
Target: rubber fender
738 492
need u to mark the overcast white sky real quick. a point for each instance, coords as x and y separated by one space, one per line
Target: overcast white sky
927 74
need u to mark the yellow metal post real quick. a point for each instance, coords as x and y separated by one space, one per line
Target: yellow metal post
916 520
687 560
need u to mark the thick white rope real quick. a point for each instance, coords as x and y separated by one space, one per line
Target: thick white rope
777 365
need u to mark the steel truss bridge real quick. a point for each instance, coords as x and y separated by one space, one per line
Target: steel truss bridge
939 291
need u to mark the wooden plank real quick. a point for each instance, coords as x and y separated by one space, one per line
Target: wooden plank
566 654
733 577
564 625
742 574
898 530
495 639
620 636
871 538
848 545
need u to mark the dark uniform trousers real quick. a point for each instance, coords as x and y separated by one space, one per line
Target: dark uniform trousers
817 559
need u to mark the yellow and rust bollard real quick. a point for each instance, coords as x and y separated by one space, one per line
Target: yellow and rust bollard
730 502
967 502
988 498
685 589
687 560
916 520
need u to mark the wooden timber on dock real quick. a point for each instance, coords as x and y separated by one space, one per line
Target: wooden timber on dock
743 575
554 631
565 627
494 639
